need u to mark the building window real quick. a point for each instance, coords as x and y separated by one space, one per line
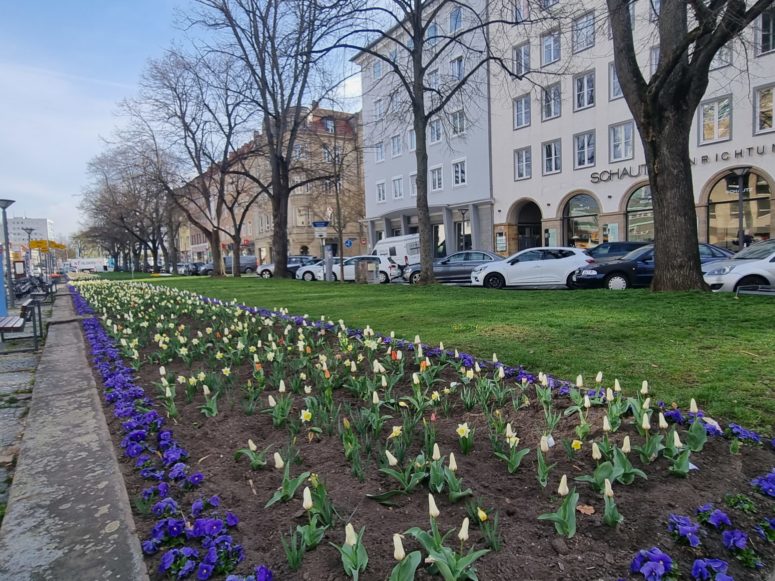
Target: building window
723 210
521 55
550 43
413 185
522 111
764 109
584 32
585 91
523 163
521 8
656 6
723 57
398 188
640 215
433 79
328 123
552 159
395 145
412 140
435 130
381 198
393 55
437 179
766 31
299 152
552 100
432 34
715 120
653 60
327 157
456 68
302 216
459 173
379 152
455 19
580 216
614 88
620 137
585 149
376 70
549 3
458 122
379 110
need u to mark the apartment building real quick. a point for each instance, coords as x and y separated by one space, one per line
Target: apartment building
42 229
568 163
459 187
327 145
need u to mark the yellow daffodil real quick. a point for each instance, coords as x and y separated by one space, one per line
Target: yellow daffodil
463 430
435 396
576 445
226 371
481 514
396 432
306 416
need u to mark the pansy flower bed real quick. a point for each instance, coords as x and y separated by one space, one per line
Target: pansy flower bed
256 444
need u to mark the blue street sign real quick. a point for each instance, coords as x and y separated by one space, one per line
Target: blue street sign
320 224
348 243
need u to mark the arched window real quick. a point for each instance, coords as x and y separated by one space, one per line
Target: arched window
580 217
640 215
724 210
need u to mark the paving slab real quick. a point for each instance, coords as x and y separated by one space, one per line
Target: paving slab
68 514
15 362
14 381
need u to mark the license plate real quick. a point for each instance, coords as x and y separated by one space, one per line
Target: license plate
588 273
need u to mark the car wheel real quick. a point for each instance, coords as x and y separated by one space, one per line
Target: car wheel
569 282
308 276
751 280
383 277
248 271
266 274
415 278
494 281
616 281
207 272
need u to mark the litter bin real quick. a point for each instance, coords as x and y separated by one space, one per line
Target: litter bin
373 272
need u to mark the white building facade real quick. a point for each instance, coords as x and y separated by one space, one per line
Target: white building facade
567 158
459 184
42 229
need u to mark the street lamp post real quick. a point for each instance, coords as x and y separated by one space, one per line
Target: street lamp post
4 205
29 232
742 174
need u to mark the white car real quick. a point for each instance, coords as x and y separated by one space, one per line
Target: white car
385 267
754 265
312 272
544 266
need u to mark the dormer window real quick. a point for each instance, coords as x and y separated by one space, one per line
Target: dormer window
328 123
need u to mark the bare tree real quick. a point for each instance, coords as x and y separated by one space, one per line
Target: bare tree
277 40
406 38
690 35
190 118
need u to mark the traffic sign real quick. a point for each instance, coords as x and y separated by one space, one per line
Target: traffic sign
363 242
321 228
348 243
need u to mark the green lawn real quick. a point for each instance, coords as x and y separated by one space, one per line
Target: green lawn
128 275
715 348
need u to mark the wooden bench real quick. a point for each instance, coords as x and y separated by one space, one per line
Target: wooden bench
29 311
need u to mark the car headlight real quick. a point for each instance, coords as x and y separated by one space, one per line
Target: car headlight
720 271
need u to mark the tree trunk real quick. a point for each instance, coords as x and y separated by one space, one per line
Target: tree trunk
280 227
215 248
675 216
236 240
423 213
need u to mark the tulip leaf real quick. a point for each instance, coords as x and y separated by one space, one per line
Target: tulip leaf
406 569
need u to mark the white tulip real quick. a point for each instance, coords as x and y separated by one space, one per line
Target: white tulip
647 403
587 403
432 508
677 441
544 444
609 394
599 377
607 489
626 445
272 402
392 460
693 406
579 381
436 452
463 534
645 424
452 462
375 397
398 548
252 446
644 389
562 490
307 499
281 389
606 424
662 421
278 461
617 386
596 455
350 538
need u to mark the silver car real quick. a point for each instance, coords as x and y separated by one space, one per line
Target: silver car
312 271
294 263
456 267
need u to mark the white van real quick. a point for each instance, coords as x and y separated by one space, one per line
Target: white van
402 249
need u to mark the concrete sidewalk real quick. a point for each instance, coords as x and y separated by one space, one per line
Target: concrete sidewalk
68 515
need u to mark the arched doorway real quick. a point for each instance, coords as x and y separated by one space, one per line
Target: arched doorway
580 221
640 215
724 210
528 226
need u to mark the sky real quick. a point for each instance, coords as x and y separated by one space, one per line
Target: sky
64 66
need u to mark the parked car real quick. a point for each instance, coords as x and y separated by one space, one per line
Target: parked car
608 250
386 267
545 266
751 266
247 265
635 269
195 267
294 264
309 272
456 267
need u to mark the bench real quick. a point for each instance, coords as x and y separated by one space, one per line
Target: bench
29 311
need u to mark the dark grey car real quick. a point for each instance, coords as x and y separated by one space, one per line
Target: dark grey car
247 265
456 267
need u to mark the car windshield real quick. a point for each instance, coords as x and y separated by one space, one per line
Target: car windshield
757 251
637 253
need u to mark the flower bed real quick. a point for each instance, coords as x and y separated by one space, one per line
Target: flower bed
251 437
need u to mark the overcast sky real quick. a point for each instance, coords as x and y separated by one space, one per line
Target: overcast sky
64 65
